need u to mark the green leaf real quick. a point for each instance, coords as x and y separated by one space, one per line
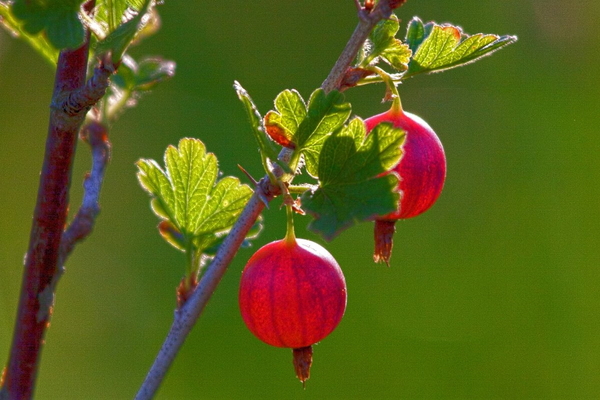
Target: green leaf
58 19
416 33
326 113
397 55
112 13
352 186
385 45
441 47
132 81
145 75
282 124
117 42
152 71
66 30
172 235
267 148
38 41
188 195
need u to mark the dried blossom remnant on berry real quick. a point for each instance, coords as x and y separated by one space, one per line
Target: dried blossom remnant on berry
302 363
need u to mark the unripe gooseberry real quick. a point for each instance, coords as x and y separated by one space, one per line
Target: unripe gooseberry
422 171
292 294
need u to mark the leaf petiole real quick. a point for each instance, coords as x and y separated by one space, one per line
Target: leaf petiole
300 189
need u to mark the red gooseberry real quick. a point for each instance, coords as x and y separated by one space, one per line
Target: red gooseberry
422 171
292 294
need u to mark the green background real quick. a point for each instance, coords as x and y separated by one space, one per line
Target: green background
493 293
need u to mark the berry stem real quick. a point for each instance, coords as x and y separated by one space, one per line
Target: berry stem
290 234
393 90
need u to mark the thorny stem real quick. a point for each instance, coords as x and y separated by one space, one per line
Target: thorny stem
186 316
49 246
366 23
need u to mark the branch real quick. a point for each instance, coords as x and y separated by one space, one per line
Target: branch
367 19
35 304
186 316
47 250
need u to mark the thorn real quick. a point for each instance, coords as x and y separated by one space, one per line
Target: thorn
261 193
248 175
263 198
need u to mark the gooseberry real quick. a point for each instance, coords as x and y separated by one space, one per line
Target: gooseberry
422 171
292 294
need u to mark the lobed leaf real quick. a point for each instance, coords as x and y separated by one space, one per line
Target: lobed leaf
267 149
441 47
38 40
118 40
188 195
325 114
57 19
353 186
385 45
283 122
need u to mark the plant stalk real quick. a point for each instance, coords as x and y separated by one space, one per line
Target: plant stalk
50 243
50 215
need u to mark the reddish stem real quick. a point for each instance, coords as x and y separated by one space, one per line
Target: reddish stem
41 264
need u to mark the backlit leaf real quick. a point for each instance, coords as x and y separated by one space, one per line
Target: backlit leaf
385 45
441 47
352 186
326 113
36 40
189 196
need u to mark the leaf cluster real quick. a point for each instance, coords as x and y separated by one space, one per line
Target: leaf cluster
427 47
53 25
347 165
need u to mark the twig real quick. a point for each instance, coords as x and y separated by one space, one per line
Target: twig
84 98
189 313
186 316
95 134
366 22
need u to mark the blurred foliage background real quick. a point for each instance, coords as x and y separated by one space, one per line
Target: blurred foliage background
493 293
